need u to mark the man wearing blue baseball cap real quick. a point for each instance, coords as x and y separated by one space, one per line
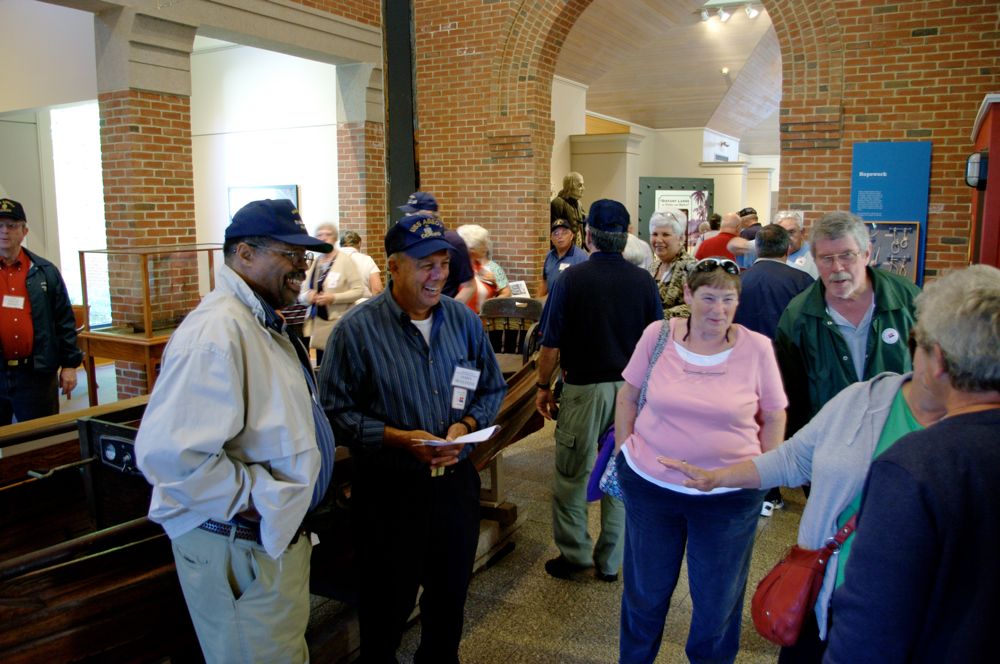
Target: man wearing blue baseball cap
613 301
461 281
237 448
412 365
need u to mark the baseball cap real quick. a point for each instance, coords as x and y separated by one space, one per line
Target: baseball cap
747 211
418 201
608 216
12 210
276 219
560 223
417 235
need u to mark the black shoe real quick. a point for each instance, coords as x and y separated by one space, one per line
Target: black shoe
601 576
561 568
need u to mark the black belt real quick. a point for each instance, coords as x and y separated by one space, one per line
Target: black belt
225 529
244 531
18 363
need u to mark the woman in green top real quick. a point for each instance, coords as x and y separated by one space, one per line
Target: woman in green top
833 452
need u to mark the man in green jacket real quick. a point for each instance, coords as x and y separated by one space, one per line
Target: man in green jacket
850 325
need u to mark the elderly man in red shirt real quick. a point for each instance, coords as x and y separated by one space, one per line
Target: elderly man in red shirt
37 328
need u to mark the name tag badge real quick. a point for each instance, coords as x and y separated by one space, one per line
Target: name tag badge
16 302
467 378
458 398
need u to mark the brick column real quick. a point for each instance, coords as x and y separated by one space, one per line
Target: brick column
145 110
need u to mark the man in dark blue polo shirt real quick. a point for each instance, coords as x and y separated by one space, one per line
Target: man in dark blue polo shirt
563 254
602 305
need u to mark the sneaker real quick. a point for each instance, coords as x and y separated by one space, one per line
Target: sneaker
561 568
779 504
601 576
767 508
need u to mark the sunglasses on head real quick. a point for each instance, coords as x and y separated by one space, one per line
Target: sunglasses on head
716 263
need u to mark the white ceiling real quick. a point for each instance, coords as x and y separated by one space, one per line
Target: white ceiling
657 64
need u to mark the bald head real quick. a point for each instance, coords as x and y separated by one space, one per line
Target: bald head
730 223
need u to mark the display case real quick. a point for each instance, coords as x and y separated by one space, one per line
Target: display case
135 298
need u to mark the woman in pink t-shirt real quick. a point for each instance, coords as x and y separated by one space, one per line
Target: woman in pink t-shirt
713 397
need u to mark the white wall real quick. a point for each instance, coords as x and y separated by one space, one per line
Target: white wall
569 105
772 161
262 118
49 55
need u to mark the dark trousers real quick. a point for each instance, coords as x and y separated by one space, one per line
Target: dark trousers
414 530
26 394
717 532
808 649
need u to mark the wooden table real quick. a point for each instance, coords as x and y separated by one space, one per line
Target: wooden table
118 344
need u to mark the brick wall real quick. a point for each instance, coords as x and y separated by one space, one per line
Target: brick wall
851 72
368 12
884 71
484 77
361 184
148 203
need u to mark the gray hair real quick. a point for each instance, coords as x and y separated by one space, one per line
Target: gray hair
794 215
671 218
835 225
612 243
960 313
328 226
476 237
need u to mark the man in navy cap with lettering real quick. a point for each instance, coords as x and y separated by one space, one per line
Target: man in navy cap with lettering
461 282
613 301
37 327
238 449
409 366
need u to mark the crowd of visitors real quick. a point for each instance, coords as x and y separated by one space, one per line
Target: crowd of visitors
798 364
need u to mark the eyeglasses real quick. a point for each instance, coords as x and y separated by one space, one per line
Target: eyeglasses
716 263
846 258
11 225
294 257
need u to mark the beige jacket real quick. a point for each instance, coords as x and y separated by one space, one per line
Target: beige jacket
344 281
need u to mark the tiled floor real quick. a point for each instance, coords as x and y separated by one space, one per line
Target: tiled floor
517 613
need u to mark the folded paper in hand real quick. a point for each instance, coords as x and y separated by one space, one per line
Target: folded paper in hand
480 436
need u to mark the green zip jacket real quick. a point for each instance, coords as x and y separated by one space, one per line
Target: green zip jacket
814 358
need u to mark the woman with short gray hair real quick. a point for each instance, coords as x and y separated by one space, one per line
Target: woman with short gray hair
671 260
921 582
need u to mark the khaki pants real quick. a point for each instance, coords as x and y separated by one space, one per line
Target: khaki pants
245 605
585 411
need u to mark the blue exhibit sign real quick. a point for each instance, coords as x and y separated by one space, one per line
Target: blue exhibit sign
890 182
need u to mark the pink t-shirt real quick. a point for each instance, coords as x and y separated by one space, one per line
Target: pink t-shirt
705 415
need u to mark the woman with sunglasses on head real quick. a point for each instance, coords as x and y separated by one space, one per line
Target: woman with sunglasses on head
833 451
331 286
707 391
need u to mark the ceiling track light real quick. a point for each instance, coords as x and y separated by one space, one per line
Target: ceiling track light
724 15
752 12
704 15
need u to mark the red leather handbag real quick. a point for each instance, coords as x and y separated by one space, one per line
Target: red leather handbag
785 596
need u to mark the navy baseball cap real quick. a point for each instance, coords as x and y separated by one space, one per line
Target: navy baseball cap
608 216
11 210
417 235
277 219
420 201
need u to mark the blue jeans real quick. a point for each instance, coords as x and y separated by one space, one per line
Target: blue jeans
718 531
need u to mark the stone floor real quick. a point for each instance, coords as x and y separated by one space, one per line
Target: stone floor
517 613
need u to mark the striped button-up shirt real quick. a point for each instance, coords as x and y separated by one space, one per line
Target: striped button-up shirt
378 371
